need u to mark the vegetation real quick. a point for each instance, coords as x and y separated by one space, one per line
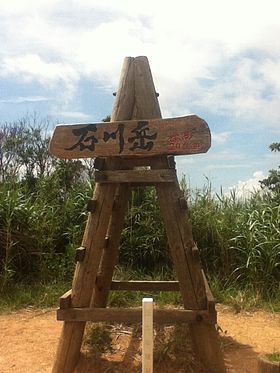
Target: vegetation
272 182
42 218
274 357
98 338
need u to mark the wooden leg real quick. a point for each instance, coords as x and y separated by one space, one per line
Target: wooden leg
68 351
111 251
181 242
207 346
187 265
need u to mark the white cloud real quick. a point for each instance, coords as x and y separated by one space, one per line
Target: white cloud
31 66
22 99
184 161
75 115
220 137
247 187
223 56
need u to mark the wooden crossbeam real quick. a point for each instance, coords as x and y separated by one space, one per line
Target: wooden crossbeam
145 285
135 176
132 315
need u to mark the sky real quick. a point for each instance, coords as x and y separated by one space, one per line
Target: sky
217 59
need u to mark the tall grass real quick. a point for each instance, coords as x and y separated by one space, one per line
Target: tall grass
39 229
238 239
144 243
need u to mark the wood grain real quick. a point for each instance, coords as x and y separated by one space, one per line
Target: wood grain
68 350
135 176
166 316
178 136
145 285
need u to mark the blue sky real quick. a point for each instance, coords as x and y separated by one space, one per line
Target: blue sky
217 59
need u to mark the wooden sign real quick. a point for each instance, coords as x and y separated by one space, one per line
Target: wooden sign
183 135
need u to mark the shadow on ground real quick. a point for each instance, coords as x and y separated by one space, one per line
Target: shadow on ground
172 353
239 358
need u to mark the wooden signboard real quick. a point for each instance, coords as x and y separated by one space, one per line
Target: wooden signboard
183 135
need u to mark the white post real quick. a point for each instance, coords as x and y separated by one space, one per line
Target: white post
147 335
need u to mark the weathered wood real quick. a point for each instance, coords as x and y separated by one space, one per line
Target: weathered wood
180 242
110 253
68 351
134 101
135 176
80 254
65 300
70 342
207 345
204 336
267 366
99 163
145 285
184 135
210 299
183 203
91 205
140 109
124 102
130 315
146 105
195 254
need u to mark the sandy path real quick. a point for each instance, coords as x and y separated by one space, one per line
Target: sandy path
28 339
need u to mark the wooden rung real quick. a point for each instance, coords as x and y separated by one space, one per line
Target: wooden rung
131 315
99 163
145 285
183 203
91 205
135 176
195 253
80 254
65 300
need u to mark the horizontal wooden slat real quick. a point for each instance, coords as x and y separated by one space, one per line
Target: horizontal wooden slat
174 136
135 176
130 315
145 285
65 300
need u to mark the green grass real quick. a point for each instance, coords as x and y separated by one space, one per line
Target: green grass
44 295
98 338
274 357
47 294
38 295
242 298
43 215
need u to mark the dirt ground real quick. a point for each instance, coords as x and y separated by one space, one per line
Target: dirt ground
28 341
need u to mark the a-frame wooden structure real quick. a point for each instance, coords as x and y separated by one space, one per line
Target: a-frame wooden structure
136 99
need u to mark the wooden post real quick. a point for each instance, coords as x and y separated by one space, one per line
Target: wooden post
136 99
147 335
110 253
68 351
